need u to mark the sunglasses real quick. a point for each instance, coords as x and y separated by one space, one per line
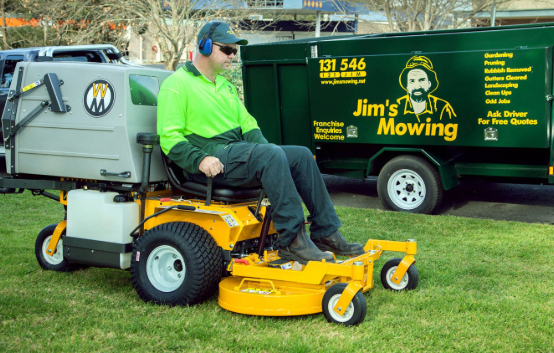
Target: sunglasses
227 50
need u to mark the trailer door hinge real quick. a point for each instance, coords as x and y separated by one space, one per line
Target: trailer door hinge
549 98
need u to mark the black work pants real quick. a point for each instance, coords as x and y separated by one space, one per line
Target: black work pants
287 173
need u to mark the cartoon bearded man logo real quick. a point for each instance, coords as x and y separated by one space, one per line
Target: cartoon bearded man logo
419 80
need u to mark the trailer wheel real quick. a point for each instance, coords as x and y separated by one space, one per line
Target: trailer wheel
176 263
408 282
55 262
409 184
354 314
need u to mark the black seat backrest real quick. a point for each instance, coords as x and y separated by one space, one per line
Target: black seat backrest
175 174
178 179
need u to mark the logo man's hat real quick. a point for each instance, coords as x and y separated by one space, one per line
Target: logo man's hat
420 63
221 34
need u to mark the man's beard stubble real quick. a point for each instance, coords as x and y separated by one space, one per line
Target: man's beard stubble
419 98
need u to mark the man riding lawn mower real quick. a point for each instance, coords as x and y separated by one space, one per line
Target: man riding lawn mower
184 235
205 128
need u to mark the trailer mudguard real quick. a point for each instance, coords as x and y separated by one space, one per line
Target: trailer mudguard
447 172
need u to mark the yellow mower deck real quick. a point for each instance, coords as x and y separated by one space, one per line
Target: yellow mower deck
257 289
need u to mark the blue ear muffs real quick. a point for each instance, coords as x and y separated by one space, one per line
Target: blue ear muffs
205 45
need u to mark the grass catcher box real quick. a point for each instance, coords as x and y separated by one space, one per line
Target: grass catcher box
88 128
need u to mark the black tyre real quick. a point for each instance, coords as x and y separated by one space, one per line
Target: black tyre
355 312
409 184
53 263
408 282
176 263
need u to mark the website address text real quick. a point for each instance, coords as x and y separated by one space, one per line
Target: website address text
343 82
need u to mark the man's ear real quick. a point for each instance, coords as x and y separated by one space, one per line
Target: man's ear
430 84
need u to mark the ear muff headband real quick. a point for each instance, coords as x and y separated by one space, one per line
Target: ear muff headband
205 46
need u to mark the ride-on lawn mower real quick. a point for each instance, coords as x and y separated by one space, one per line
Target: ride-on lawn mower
133 209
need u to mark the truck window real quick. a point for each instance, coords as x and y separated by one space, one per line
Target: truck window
144 89
80 56
9 68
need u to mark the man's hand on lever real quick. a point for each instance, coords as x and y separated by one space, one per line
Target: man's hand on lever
211 166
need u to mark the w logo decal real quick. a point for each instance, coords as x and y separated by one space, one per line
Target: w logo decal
99 98
99 87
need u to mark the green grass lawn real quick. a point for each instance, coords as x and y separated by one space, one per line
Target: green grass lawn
485 286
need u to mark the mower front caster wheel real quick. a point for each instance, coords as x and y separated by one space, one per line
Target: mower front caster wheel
409 281
55 262
354 314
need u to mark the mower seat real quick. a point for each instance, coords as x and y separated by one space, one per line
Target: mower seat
201 186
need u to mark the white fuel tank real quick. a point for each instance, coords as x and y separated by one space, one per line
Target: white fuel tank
98 228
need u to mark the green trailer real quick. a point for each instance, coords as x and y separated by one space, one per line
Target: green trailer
420 110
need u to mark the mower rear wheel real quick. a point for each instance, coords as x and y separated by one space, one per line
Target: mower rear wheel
354 314
55 262
176 263
409 281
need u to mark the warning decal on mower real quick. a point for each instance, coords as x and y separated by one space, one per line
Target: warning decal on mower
32 85
99 98
230 220
207 211
258 291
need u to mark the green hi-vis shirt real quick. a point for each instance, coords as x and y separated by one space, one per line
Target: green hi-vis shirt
197 117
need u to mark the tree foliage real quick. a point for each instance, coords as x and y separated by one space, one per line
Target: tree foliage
175 23
61 22
172 23
424 15
81 22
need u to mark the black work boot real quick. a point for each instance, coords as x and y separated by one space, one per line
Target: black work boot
303 250
338 245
